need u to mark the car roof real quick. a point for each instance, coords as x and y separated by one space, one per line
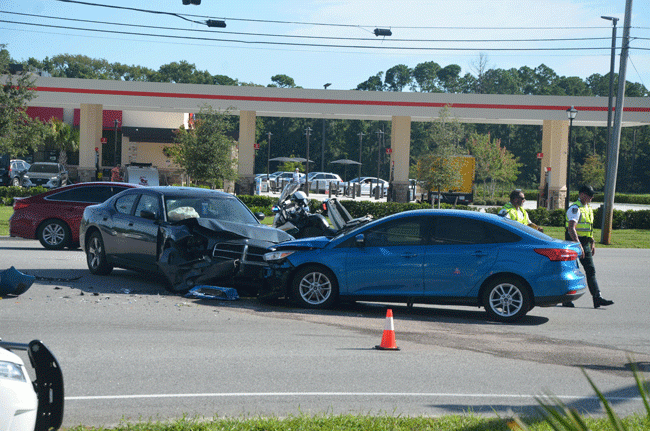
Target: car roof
493 218
187 191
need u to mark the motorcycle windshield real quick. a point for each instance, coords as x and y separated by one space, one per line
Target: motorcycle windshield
289 189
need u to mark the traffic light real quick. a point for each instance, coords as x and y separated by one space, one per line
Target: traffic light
196 2
383 32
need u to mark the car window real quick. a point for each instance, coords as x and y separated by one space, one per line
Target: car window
49 169
218 208
402 232
92 194
461 230
124 204
148 203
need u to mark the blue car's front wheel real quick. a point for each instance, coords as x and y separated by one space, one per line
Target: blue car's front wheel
506 299
314 287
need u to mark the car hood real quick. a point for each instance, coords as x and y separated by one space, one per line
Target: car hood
238 230
304 243
6 355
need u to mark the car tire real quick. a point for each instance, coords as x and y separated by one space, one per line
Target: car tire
15 181
53 234
96 255
314 287
507 299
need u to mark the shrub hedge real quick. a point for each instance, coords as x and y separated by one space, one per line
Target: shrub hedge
7 194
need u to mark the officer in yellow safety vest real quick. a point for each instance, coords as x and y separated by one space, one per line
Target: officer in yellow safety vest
515 211
579 227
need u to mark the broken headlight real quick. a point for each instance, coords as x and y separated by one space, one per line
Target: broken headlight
275 256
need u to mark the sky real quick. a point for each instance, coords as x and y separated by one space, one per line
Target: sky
331 41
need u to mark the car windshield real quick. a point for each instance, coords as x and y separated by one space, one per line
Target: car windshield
218 208
46 169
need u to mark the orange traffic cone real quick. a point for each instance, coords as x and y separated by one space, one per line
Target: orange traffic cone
388 339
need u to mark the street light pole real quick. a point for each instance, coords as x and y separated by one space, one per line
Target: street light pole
268 156
379 132
361 135
571 113
307 133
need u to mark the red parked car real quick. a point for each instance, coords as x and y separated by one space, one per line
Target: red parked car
53 217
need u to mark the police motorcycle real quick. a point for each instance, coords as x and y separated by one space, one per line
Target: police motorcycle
293 216
27 405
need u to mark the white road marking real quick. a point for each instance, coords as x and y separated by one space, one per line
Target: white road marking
333 394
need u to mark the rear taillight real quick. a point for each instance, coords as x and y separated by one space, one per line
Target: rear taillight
20 204
557 254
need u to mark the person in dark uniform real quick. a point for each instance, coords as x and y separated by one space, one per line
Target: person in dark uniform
579 227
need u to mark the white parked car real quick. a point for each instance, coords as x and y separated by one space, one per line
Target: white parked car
320 181
369 184
27 405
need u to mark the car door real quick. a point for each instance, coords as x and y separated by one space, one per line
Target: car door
117 240
390 262
460 255
318 182
142 231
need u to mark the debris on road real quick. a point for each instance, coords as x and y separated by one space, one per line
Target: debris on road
213 292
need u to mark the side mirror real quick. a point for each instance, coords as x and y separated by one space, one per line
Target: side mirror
260 216
149 215
360 240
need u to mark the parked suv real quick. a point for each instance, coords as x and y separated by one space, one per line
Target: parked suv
11 171
46 174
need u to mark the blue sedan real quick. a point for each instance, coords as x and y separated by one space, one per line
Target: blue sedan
448 257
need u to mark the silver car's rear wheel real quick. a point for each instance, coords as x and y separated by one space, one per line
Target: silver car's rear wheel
96 255
506 300
315 287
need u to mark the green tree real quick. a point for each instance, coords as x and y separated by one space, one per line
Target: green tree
398 77
440 169
448 77
207 152
63 138
18 132
282 81
374 83
494 164
593 171
425 76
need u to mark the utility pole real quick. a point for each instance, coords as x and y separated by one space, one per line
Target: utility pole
612 65
379 142
612 151
322 147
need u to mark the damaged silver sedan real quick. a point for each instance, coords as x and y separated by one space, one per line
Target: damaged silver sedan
191 236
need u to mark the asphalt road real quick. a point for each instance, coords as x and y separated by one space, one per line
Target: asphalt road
129 351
